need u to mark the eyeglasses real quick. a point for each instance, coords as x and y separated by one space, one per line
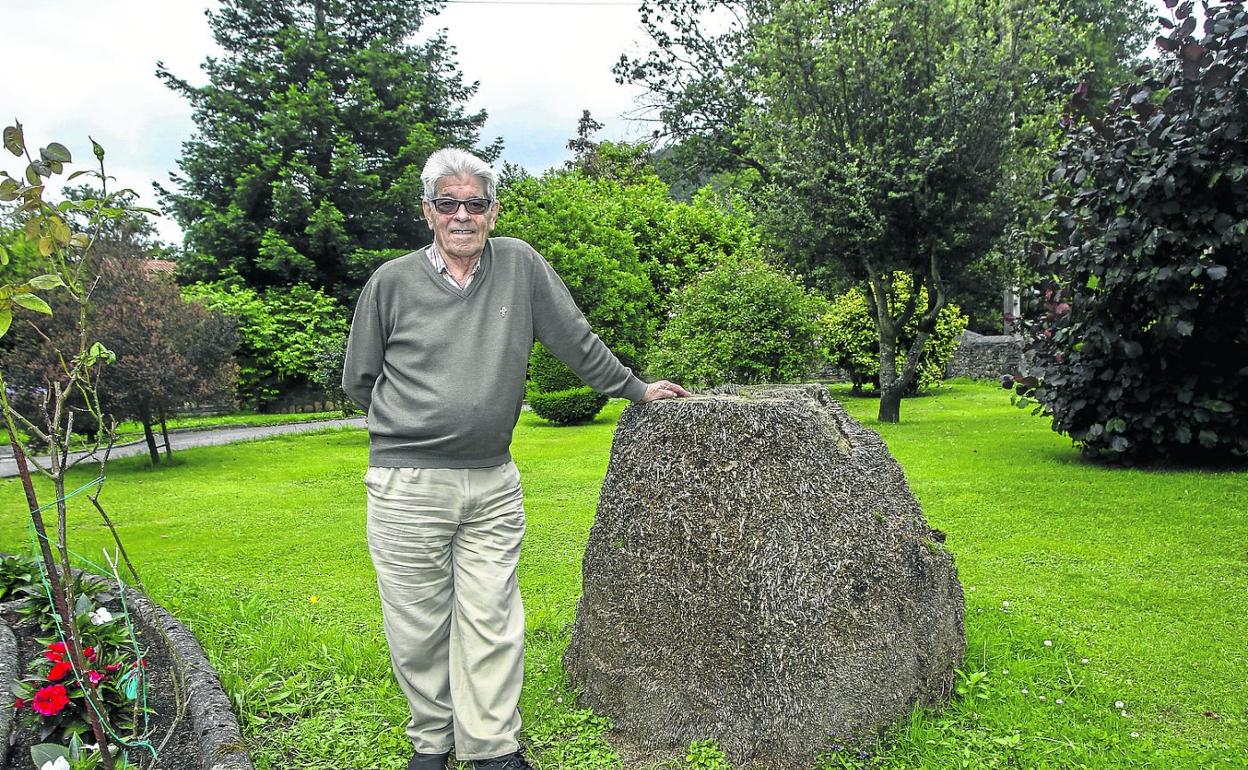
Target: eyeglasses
451 205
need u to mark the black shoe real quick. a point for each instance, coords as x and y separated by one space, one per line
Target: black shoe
508 762
428 761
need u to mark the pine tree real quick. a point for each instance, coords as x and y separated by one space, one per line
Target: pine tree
311 134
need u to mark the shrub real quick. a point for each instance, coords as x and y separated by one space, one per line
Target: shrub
548 373
567 407
282 332
328 374
556 393
743 321
1142 354
851 341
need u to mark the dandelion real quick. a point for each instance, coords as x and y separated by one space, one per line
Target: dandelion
313 599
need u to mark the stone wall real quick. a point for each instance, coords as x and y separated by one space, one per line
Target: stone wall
987 357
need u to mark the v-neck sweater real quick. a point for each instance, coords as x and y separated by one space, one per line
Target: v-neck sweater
440 370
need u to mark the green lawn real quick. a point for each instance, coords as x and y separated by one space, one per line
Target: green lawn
1121 585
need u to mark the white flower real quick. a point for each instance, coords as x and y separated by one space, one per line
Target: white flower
1005 672
1005 605
1024 691
1042 697
1084 661
1119 704
1135 735
1048 642
99 618
1058 701
1124 712
60 763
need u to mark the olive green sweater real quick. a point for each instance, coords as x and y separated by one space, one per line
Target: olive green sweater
440 370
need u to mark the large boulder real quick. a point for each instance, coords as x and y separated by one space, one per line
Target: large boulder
760 574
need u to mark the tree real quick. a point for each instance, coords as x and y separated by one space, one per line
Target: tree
1142 352
170 351
311 135
282 335
879 131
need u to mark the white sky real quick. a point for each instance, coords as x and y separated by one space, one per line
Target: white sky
87 68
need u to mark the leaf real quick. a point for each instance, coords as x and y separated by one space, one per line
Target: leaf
80 240
1094 281
1185 328
14 142
56 152
98 352
47 281
8 190
31 229
43 753
31 302
4 255
77 174
46 246
60 231
32 175
1217 272
6 320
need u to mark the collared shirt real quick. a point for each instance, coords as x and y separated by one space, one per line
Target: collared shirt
439 264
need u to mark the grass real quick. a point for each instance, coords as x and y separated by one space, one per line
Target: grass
1123 586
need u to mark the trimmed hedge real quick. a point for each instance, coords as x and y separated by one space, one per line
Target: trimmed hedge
568 407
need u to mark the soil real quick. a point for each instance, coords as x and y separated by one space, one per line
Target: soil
169 731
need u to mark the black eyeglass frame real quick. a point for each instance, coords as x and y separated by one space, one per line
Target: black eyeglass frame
469 204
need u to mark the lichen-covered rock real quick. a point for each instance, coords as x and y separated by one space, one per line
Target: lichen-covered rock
760 574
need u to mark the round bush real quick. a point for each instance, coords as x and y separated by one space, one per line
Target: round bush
851 341
743 321
567 407
549 374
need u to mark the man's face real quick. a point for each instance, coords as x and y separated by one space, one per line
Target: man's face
460 235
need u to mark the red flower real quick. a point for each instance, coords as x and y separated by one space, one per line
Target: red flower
19 703
59 671
113 668
50 700
95 677
88 653
55 652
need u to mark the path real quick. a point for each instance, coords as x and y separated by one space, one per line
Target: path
188 438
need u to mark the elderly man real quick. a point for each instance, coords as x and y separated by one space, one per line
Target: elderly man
437 357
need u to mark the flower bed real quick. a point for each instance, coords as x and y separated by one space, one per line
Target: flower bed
156 686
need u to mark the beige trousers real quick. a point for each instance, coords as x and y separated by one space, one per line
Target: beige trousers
445 543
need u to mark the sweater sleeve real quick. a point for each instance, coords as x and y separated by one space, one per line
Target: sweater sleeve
366 348
559 325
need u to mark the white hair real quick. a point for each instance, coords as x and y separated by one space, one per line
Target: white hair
452 162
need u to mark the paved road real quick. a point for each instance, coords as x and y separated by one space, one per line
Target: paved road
185 439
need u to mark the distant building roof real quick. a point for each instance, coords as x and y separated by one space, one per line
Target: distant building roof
159 265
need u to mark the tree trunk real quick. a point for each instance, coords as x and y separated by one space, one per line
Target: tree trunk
164 434
152 449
